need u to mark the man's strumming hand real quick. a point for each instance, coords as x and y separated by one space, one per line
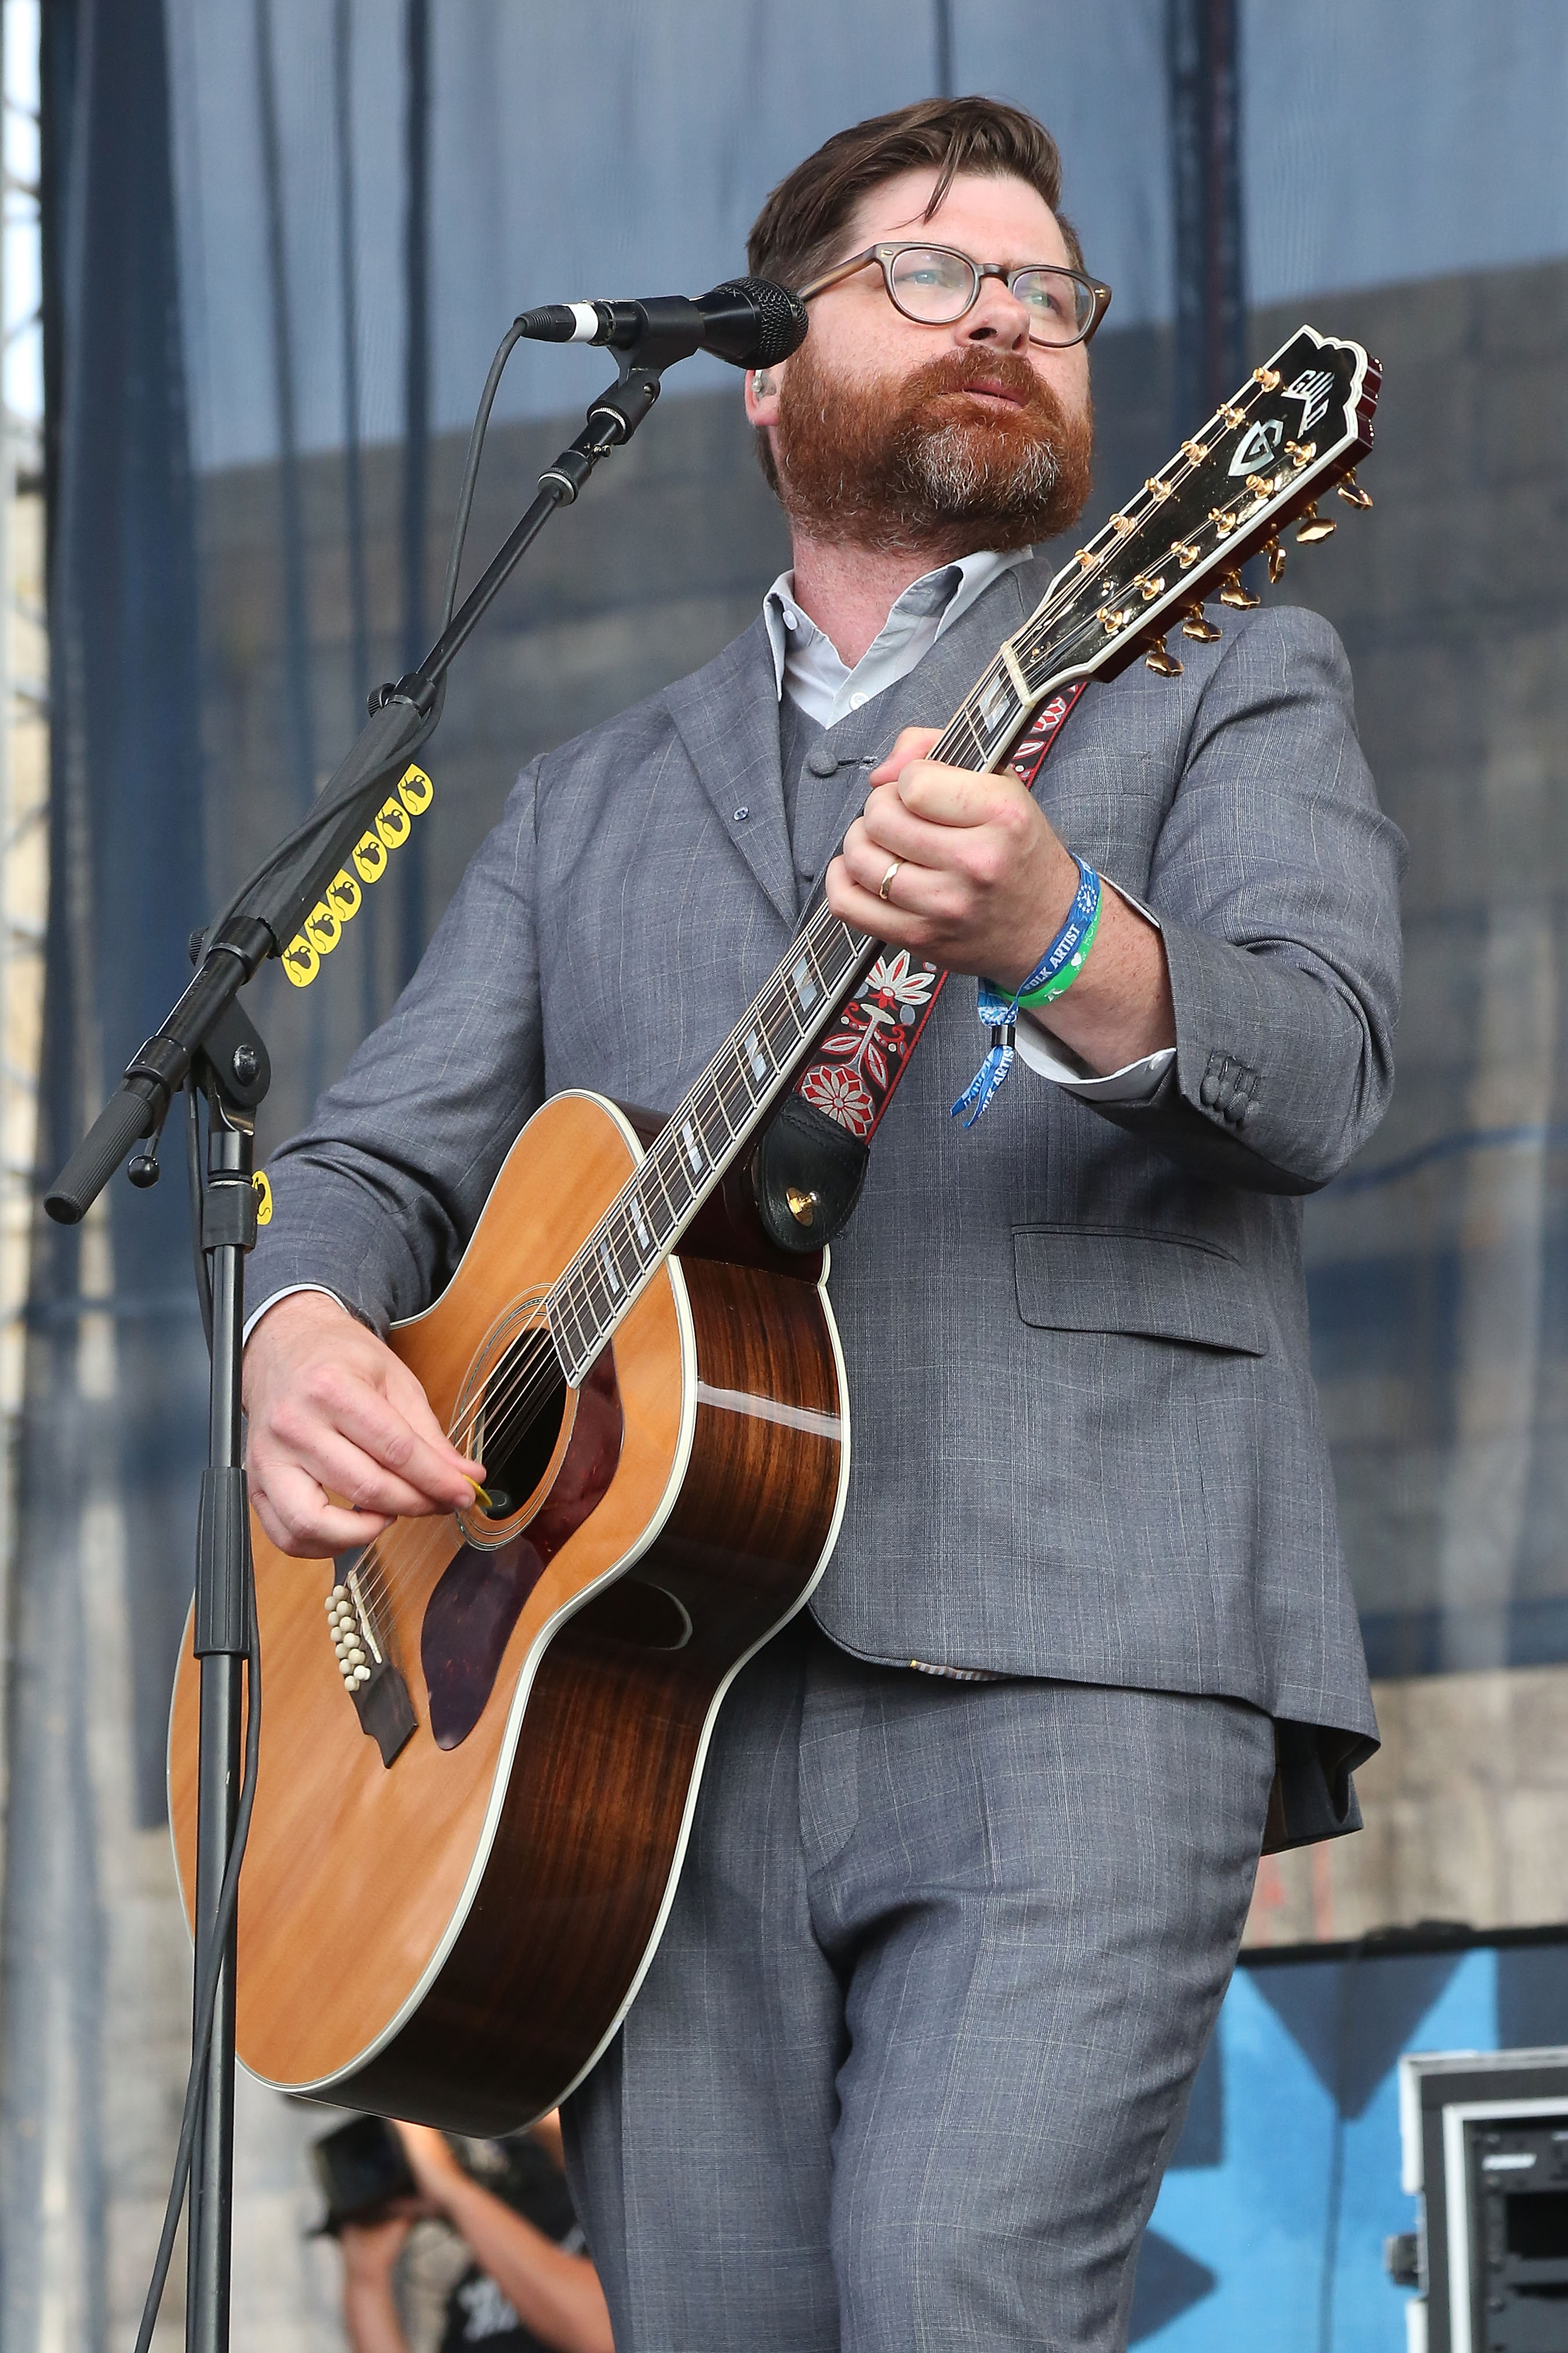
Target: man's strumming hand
340 1438
984 885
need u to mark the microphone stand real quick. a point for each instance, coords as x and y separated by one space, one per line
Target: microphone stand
207 1042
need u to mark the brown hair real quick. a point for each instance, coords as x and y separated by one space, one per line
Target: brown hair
799 230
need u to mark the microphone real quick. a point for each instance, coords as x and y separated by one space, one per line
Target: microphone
749 322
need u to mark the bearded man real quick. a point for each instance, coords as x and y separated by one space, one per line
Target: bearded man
977 1838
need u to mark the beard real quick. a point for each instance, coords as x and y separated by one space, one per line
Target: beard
901 467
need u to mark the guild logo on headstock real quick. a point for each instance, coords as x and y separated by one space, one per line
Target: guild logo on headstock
1258 446
1313 388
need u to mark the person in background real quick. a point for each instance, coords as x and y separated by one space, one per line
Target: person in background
529 2288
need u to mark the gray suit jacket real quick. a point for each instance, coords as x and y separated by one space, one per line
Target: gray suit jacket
1086 1439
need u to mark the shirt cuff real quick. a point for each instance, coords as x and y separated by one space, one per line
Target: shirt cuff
1135 1082
253 1318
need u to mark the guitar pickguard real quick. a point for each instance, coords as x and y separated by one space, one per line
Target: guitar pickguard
470 1615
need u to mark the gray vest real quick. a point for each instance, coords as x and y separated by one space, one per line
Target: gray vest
810 759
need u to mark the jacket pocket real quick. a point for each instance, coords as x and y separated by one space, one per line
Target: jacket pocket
1123 1279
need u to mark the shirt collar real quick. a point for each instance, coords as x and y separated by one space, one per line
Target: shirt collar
806 660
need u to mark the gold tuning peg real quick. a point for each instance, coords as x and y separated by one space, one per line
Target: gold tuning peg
1197 624
1276 554
1313 526
1162 661
1231 592
1350 490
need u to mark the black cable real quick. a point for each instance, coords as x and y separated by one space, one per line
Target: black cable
509 341
322 815
206 2008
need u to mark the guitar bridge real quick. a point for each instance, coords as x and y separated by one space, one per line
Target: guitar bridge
363 1645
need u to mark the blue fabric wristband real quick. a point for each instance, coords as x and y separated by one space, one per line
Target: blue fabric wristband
1000 1014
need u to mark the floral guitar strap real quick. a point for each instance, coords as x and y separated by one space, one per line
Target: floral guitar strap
811 1162
865 1054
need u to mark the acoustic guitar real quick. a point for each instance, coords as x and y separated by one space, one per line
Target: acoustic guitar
483 1735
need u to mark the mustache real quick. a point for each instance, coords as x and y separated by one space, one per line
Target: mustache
959 370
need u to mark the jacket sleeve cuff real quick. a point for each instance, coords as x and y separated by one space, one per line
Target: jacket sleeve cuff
1276 1078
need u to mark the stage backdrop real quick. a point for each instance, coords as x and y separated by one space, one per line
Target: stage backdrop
284 239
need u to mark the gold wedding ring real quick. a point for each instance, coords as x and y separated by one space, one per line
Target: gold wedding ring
887 890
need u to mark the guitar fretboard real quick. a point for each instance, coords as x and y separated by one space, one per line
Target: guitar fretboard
703 1137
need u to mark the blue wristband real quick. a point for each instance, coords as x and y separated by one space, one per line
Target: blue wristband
1000 1014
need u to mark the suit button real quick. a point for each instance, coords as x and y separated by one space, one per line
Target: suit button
1210 1088
821 762
1249 1116
1224 1095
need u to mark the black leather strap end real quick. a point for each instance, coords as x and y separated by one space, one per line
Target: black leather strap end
806 1175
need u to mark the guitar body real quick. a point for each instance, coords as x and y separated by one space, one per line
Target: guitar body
454 1936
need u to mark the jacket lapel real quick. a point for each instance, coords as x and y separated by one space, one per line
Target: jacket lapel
726 717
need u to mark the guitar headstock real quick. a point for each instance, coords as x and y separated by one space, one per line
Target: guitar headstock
1296 429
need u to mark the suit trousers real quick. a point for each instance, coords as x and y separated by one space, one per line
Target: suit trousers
917 2040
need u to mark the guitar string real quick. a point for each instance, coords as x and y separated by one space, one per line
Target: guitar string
538 1370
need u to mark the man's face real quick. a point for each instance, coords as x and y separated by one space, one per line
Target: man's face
890 434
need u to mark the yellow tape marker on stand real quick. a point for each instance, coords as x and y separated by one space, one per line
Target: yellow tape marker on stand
301 959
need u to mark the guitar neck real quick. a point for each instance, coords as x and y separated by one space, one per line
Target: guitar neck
708 1130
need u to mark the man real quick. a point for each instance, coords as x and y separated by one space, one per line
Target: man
948 1945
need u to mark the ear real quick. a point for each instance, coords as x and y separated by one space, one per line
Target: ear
762 394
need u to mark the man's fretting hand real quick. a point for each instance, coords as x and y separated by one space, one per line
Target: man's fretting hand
984 885
340 1438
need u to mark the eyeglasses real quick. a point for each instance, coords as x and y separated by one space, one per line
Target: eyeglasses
936 286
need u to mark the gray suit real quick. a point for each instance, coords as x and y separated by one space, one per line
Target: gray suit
1086 1454
1086 1440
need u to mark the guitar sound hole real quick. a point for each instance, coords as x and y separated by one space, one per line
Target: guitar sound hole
516 1450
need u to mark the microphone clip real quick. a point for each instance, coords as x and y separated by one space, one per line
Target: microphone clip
612 420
